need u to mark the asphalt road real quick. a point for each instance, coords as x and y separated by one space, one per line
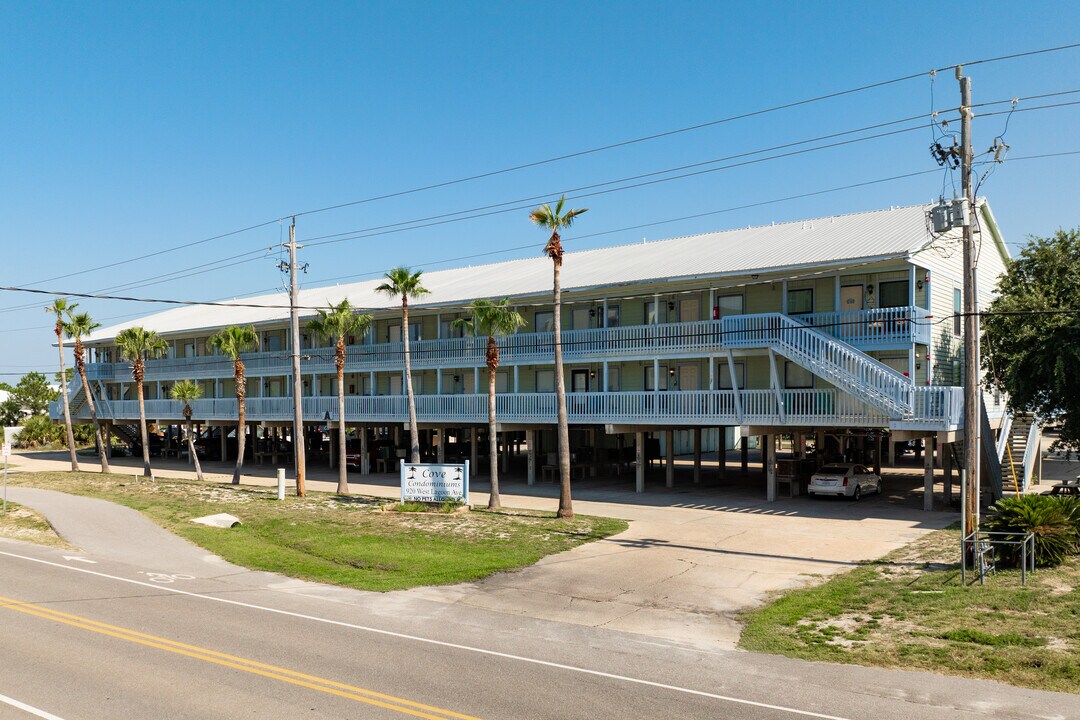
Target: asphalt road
116 638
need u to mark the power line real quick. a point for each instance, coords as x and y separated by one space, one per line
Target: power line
567 156
478 212
157 253
156 279
677 131
607 232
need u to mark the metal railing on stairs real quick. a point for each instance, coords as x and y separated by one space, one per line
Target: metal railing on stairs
826 357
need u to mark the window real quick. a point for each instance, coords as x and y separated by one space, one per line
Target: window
544 321
545 381
663 377
730 305
723 375
894 293
957 308
447 329
796 376
614 379
583 317
651 316
613 316
800 301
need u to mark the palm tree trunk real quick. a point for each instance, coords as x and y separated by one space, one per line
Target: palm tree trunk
566 508
238 374
64 394
494 501
191 449
414 434
142 426
343 471
99 437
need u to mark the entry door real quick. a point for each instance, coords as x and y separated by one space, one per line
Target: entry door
393 334
581 318
689 377
579 381
396 387
689 310
851 297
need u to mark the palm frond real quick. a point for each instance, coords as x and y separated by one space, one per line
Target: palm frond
234 340
185 391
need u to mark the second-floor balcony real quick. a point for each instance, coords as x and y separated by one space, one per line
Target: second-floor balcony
876 329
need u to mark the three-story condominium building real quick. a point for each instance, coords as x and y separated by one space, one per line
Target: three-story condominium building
835 327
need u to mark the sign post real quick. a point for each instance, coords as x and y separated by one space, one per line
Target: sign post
426 482
10 433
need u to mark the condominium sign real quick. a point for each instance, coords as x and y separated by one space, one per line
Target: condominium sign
425 482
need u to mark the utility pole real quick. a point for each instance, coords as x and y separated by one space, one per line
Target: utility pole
972 394
299 438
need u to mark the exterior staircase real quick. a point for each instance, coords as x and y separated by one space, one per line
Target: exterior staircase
830 358
128 434
1020 448
990 465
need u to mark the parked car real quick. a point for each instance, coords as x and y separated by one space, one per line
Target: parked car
848 479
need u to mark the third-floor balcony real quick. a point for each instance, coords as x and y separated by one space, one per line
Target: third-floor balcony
877 329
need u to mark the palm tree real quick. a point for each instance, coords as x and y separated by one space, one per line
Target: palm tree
79 325
59 307
491 319
185 391
337 324
231 342
404 282
137 345
555 220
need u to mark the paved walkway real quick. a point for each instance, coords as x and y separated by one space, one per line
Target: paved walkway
692 559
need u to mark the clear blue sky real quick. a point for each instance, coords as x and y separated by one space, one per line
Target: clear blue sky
132 127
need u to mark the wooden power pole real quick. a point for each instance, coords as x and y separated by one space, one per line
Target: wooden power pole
972 394
299 438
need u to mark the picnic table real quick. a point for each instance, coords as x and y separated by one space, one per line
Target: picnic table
1068 487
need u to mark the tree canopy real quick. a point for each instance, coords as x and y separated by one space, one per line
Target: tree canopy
1031 332
31 396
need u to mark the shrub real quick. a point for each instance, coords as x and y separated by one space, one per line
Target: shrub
1053 523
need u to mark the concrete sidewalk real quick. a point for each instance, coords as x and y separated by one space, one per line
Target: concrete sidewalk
691 561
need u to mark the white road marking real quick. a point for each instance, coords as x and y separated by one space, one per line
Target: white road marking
28 708
80 559
441 643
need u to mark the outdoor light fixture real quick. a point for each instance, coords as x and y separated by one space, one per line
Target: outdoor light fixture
870 289
753 277
671 372
919 284
671 305
592 312
592 374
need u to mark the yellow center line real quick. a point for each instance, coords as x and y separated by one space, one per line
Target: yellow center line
312 682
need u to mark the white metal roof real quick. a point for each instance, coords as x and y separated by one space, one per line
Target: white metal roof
879 234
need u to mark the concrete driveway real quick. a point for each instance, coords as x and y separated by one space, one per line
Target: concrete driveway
693 558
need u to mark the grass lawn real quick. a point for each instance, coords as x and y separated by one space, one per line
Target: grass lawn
344 540
22 523
909 610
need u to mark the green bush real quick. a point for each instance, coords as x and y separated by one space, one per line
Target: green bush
1055 523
